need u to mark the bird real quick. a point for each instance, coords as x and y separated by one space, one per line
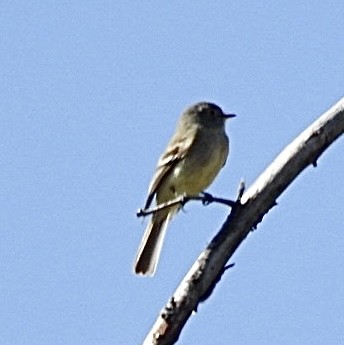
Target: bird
194 156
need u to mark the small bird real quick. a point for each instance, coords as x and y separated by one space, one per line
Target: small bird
194 156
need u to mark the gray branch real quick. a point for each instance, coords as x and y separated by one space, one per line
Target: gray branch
255 202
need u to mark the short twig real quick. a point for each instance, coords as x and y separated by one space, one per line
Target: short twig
241 189
182 200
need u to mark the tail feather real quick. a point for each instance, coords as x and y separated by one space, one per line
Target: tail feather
150 247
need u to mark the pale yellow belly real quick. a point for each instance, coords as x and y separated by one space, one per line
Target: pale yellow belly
193 174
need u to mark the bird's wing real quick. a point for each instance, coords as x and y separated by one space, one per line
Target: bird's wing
175 152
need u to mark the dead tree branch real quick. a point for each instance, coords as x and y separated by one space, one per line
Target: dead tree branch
206 199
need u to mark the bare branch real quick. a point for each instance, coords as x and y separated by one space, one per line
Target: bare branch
254 204
206 199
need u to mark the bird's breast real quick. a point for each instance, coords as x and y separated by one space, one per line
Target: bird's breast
200 166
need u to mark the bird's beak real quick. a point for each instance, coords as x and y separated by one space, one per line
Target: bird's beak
228 116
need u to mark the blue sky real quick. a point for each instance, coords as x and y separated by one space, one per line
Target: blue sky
90 94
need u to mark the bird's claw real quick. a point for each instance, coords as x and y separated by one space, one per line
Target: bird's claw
207 198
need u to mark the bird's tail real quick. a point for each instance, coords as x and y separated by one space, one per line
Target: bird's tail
148 254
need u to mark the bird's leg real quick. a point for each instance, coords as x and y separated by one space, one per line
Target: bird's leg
208 199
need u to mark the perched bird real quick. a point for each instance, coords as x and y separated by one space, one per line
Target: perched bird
194 156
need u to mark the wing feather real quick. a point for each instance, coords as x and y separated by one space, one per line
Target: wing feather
175 152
